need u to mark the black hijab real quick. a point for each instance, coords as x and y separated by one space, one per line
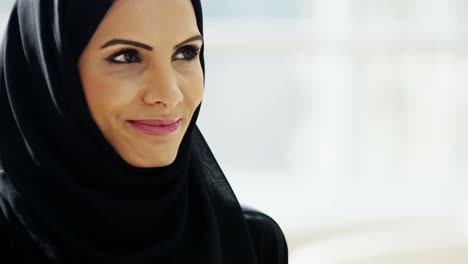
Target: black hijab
66 195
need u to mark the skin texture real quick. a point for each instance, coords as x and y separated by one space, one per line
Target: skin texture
162 83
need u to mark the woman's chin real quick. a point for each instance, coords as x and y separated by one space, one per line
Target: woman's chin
151 162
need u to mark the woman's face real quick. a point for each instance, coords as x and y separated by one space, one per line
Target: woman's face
141 68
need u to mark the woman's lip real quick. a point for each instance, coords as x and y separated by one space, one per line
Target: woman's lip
156 126
157 122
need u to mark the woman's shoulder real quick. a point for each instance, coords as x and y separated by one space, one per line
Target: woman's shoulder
269 240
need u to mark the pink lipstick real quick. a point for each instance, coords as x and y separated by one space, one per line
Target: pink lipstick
156 126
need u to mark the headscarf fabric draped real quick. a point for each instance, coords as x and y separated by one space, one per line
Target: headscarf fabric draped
65 193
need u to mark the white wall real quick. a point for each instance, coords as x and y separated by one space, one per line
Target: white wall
372 96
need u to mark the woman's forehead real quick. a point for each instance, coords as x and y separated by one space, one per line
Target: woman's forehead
149 19
153 11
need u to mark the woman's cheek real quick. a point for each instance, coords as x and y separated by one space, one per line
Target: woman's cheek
115 91
192 83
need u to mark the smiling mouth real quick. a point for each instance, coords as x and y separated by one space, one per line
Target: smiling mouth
156 126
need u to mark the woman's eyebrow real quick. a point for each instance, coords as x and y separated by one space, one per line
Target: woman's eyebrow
196 37
126 42
145 46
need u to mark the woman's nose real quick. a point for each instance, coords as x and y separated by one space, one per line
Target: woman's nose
162 88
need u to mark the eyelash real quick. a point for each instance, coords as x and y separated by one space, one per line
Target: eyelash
125 51
136 58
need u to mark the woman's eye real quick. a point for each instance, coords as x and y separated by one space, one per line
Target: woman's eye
125 57
187 53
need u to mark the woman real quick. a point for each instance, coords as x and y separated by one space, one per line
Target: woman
101 160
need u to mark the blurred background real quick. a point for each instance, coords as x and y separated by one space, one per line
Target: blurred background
343 120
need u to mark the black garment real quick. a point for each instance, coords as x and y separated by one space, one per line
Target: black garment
267 237
66 196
